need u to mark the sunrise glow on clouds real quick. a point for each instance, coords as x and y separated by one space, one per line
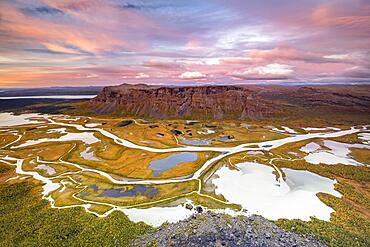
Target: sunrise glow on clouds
105 42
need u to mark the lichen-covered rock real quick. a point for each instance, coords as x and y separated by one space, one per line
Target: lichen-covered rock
211 229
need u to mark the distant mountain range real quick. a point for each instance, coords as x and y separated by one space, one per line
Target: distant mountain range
16 92
226 102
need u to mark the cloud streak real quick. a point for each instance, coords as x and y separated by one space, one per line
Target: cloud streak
88 42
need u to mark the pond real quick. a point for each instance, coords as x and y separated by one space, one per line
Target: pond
257 189
310 147
124 123
267 146
9 119
226 138
86 137
88 154
94 187
135 191
195 142
92 125
254 152
49 170
338 153
173 160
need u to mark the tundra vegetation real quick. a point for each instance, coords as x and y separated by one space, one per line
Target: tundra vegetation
96 169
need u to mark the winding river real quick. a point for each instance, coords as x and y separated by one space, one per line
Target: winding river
226 151
50 186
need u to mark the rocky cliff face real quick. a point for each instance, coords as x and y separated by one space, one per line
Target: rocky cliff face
230 102
204 102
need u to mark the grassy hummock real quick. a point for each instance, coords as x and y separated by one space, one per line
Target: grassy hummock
27 220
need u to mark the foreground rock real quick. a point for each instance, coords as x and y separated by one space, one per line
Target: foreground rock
210 229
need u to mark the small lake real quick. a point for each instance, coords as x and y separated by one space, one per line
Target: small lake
49 170
339 153
267 146
226 138
173 160
256 188
135 191
310 147
195 142
254 152
88 154
86 137
9 119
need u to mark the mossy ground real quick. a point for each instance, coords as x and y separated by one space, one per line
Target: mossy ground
27 220
38 224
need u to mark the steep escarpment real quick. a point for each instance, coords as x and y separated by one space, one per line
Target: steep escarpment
231 102
206 102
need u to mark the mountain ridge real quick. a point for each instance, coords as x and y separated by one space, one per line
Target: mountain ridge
226 102
216 102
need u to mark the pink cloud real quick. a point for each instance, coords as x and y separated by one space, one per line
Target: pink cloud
267 72
192 75
281 53
327 16
141 76
94 32
97 41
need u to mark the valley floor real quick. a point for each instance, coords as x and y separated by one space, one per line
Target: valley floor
312 179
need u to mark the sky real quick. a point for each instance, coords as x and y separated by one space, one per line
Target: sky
108 42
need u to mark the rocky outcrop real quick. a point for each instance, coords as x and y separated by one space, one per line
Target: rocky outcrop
210 229
202 102
230 102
